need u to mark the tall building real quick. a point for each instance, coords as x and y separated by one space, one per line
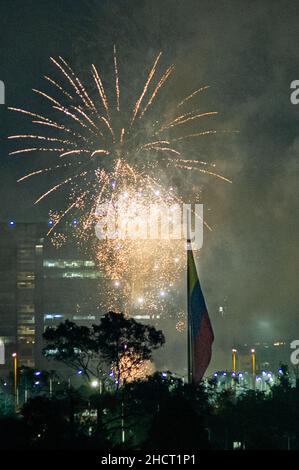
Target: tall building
71 287
39 287
20 262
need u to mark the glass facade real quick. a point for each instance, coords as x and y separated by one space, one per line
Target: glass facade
19 266
41 286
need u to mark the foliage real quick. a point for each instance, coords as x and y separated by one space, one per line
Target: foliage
103 346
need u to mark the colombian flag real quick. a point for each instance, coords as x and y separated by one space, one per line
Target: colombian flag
200 332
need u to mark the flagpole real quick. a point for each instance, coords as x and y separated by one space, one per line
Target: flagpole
189 322
189 330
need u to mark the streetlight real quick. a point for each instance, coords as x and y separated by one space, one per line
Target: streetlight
234 360
95 383
15 376
253 361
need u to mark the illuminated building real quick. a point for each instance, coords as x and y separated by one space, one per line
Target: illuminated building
71 289
20 261
39 287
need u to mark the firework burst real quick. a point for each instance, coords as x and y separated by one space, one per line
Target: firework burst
100 148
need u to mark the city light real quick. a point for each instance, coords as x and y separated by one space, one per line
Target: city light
94 383
11 223
50 222
37 373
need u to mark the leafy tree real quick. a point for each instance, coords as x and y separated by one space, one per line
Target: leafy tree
116 341
120 338
72 345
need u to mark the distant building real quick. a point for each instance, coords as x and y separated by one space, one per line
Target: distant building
39 287
20 261
269 355
72 287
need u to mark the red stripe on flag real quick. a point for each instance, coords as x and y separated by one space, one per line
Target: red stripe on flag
202 348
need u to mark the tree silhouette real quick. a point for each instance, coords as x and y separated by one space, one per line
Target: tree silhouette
119 338
104 346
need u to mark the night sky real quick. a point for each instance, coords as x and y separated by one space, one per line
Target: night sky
248 53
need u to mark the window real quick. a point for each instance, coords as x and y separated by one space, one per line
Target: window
26 319
25 330
26 308
25 285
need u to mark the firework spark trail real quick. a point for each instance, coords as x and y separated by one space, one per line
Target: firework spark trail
163 149
70 80
37 149
202 170
156 142
160 84
41 137
190 118
150 76
201 162
122 135
74 204
64 92
54 188
83 90
72 152
73 116
44 170
116 80
179 118
48 97
63 128
100 88
47 122
189 97
106 121
88 119
205 133
100 151
29 113
33 173
181 161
